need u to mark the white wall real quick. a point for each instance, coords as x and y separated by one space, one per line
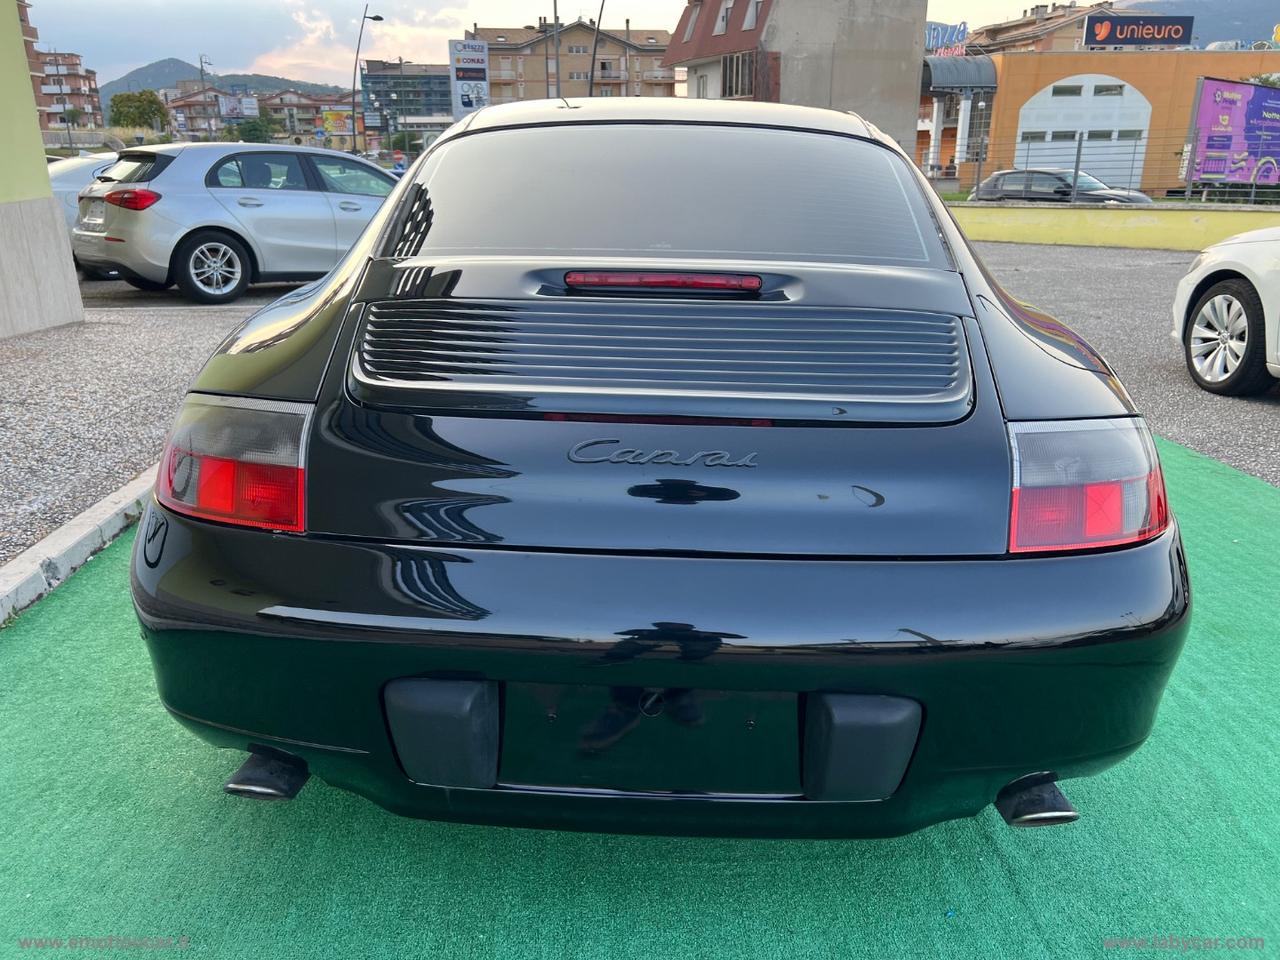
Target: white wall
1117 162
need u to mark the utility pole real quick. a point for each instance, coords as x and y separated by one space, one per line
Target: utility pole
555 15
209 126
595 43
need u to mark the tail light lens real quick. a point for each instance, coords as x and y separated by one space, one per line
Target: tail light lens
1081 484
237 461
132 199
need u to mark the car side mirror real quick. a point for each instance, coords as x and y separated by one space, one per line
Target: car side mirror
1063 191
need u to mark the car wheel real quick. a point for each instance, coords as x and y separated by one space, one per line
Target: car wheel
152 286
212 268
1224 342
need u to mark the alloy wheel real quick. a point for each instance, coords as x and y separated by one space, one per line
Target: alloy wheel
1219 338
215 267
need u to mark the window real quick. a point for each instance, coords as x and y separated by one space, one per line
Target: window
605 92
1033 136
1063 135
702 86
579 48
577 74
1015 182
1099 134
832 183
136 167
1108 90
752 16
1068 90
722 18
1129 135
259 171
693 22
738 74
1047 183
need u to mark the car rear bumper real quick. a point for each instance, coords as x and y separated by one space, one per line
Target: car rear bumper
140 254
1018 666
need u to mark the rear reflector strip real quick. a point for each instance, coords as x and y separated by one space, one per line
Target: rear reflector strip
732 282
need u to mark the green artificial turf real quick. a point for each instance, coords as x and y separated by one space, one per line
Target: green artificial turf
112 822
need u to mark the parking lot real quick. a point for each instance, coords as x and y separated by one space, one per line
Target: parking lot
105 793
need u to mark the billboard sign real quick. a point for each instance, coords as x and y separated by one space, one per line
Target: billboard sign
337 123
945 39
468 76
1235 133
237 108
1108 30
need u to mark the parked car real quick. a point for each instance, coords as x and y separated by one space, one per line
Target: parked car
1226 314
1052 185
215 217
67 178
663 501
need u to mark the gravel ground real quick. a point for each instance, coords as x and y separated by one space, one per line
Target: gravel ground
1121 302
85 408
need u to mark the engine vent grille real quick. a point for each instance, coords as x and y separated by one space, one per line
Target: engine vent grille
716 351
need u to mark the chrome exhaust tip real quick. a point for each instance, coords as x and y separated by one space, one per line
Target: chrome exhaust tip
1035 801
268 776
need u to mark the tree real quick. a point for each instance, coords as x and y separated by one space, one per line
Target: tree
251 130
1266 79
141 109
72 116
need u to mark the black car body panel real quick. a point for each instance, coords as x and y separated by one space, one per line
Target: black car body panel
763 587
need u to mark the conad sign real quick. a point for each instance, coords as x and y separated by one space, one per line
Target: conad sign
1112 31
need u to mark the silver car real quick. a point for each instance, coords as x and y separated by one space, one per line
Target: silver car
215 217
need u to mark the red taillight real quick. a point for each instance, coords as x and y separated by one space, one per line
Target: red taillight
132 199
1081 484
730 282
236 461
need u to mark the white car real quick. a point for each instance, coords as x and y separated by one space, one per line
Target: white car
1226 314
67 177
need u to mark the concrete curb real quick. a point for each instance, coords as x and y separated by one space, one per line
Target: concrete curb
38 569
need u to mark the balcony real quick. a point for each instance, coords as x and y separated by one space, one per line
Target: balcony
611 76
505 99
504 75
660 76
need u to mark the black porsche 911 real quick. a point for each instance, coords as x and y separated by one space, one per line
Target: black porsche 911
663 466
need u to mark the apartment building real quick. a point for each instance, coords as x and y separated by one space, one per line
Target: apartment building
298 114
523 64
30 37
860 55
67 84
401 88
195 113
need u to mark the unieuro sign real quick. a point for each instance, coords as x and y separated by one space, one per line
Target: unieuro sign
468 76
1107 30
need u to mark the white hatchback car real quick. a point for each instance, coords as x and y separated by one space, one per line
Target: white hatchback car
215 217
1226 314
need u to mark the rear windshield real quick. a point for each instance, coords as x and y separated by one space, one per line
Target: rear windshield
677 192
135 167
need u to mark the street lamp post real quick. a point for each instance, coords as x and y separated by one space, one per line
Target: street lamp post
355 71
982 144
595 43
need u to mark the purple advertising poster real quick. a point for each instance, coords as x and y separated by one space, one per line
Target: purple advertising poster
1236 133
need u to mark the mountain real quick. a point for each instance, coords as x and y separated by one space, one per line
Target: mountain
1246 20
167 73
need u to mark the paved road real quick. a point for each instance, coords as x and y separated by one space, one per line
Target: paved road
1121 302
85 408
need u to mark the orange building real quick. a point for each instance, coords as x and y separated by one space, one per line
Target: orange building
1126 114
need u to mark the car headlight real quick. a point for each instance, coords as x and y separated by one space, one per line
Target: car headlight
1197 262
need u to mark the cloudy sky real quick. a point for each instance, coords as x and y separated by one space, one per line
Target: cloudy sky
315 39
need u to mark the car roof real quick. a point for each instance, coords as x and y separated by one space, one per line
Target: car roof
664 109
233 146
